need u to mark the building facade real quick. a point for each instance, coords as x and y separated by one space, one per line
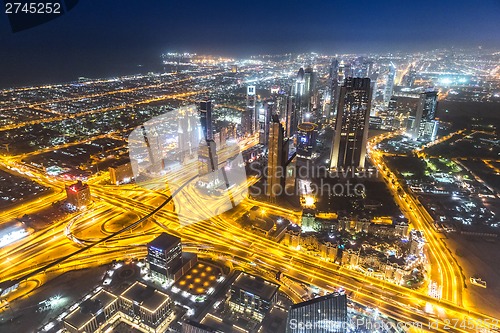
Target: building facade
352 122
319 315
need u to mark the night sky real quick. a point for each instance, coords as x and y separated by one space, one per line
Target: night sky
107 37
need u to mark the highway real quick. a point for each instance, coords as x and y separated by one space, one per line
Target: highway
140 211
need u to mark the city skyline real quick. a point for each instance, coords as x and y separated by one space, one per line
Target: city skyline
83 42
260 172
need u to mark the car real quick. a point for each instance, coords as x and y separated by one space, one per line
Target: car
478 282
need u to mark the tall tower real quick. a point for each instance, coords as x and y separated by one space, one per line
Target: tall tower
333 85
276 166
207 151
205 112
291 117
186 141
301 99
249 119
265 113
426 112
351 128
389 84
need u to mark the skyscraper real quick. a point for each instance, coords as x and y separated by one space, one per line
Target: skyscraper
299 92
310 93
249 119
207 150
187 139
333 84
352 121
389 84
265 112
306 140
205 112
291 117
426 112
323 314
276 160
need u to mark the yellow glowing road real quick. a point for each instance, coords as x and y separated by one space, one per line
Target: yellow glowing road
117 206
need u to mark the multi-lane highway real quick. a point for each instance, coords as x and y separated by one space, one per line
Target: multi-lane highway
119 206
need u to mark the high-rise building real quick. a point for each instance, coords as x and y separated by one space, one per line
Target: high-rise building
299 92
310 101
426 112
249 119
389 84
187 137
290 117
276 160
205 113
333 83
164 256
78 195
306 140
352 121
324 314
265 113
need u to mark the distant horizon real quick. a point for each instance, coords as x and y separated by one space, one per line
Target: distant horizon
153 63
105 39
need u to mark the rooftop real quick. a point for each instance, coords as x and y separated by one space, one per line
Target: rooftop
316 300
256 285
146 296
89 308
164 241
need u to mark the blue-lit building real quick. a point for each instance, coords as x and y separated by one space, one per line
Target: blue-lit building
306 139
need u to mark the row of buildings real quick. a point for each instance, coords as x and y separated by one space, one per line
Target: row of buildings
139 305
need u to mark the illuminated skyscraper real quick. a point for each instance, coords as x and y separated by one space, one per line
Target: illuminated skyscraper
310 93
389 84
351 128
333 84
325 314
265 112
291 116
249 118
276 160
306 140
299 92
205 113
425 113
